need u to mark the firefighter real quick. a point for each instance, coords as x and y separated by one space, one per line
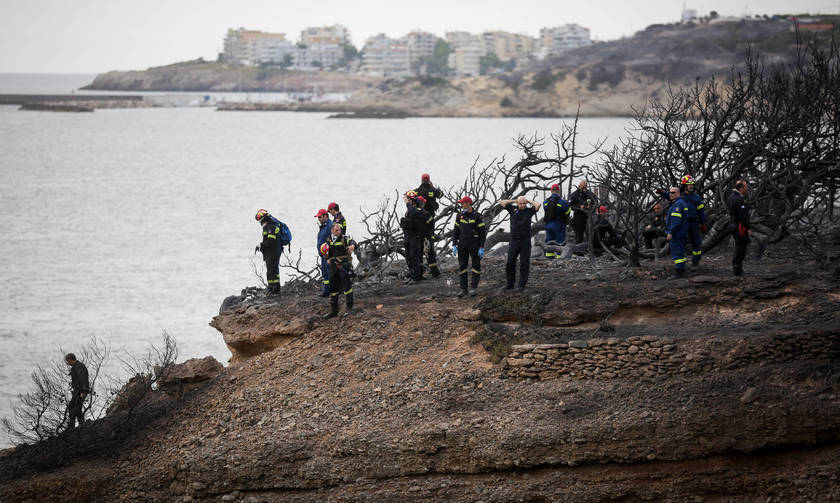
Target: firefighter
739 216
581 202
337 217
676 229
431 194
556 212
427 247
696 217
468 244
80 387
413 225
324 226
270 249
338 250
520 239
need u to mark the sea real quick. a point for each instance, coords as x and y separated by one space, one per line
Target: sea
122 224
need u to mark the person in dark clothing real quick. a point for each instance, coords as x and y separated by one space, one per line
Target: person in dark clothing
427 246
339 253
413 225
520 239
656 227
739 216
324 230
80 387
604 233
556 214
676 230
271 250
581 202
430 193
696 217
337 217
468 238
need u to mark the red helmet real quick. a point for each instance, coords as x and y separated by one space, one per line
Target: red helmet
324 249
261 213
687 180
425 177
602 209
465 199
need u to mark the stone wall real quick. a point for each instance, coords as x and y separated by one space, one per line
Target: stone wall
649 356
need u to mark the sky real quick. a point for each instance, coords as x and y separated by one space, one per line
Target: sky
93 36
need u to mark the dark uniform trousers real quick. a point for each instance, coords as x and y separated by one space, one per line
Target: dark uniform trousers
272 268
341 281
579 225
414 255
75 410
695 240
467 254
431 256
518 248
741 243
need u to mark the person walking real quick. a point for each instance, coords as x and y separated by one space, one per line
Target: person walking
696 218
270 249
739 216
337 217
556 212
520 239
676 229
339 253
80 387
580 201
468 238
324 229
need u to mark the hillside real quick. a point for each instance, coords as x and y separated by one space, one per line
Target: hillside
612 385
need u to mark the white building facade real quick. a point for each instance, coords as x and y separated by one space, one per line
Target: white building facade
560 39
386 57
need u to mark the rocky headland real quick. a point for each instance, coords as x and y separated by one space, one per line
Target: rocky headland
605 384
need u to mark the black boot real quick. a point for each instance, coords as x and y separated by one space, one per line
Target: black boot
349 298
333 307
737 270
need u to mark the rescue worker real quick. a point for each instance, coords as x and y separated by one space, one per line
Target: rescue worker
739 216
520 239
676 229
337 217
581 202
468 244
80 387
604 232
656 227
413 225
556 212
431 194
270 249
427 247
696 217
339 253
324 226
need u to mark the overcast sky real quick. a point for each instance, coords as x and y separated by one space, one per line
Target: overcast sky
91 36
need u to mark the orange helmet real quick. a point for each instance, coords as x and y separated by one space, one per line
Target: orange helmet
261 214
325 249
687 180
411 194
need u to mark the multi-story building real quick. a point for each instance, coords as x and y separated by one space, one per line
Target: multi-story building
560 39
507 45
250 47
385 57
421 44
316 57
325 35
466 60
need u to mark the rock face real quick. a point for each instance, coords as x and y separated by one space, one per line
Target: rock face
637 389
187 376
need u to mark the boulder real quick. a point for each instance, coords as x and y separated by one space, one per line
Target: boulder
188 375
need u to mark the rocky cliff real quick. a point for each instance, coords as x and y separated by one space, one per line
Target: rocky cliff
590 385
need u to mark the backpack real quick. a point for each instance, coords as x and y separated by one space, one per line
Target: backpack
285 233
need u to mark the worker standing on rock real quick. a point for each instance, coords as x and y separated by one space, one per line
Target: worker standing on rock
739 216
468 238
270 249
556 212
696 217
581 202
431 194
427 247
676 229
80 387
520 239
337 217
324 226
339 253
413 225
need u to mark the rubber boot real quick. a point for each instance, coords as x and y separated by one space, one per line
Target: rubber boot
349 298
333 307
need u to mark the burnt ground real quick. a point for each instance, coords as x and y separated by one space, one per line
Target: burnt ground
406 399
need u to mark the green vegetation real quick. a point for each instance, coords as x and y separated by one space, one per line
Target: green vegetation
506 102
438 63
543 80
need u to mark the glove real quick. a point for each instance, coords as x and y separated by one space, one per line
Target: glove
481 252
703 228
257 249
455 250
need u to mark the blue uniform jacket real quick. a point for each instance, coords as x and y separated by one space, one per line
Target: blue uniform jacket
677 222
696 208
556 209
324 233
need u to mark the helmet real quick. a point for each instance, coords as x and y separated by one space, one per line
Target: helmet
261 214
411 194
687 180
421 200
425 177
325 249
602 209
465 199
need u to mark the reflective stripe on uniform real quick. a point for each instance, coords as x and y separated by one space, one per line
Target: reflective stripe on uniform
272 281
433 265
326 282
333 294
477 272
481 224
549 254
679 261
676 215
701 206
272 237
698 252
568 211
348 291
462 272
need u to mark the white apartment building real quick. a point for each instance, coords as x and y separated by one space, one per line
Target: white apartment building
325 35
560 39
468 50
385 57
506 45
421 44
250 47
316 56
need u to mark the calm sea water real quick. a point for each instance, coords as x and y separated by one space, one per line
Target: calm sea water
125 223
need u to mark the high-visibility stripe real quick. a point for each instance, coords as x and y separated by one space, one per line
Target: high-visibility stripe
333 294
272 281
698 252
481 224
477 272
462 272
431 194
272 237
679 261
348 291
433 265
549 254
326 282
701 206
470 221
676 215
568 211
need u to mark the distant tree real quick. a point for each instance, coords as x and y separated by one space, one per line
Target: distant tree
349 54
714 15
287 61
438 62
489 61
